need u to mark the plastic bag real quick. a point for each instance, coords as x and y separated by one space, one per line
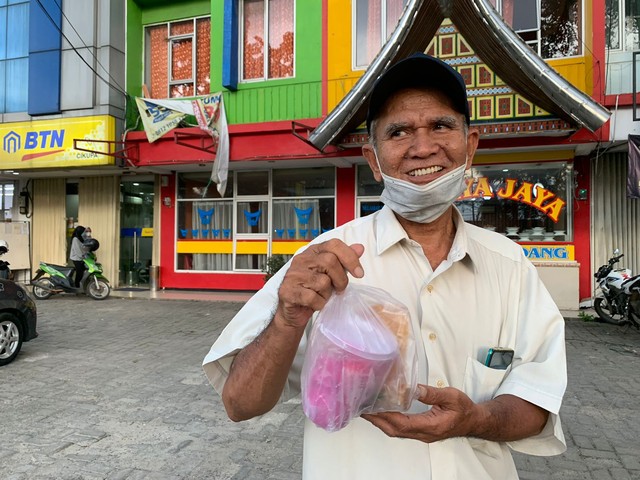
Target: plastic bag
361 358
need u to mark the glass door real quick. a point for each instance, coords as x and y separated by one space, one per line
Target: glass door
136 232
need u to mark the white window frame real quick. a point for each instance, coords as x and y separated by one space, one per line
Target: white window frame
176 38
265 66
622 34
354 33
536 44
170 39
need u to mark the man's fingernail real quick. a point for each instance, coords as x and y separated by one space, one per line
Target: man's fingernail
358 272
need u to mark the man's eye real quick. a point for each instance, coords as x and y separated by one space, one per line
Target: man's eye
444 126
398 133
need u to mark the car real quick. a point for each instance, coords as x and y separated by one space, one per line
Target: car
18 319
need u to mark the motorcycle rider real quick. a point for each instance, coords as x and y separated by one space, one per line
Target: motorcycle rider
4 266
79 250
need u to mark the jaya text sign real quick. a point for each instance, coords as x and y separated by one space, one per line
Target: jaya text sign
528 193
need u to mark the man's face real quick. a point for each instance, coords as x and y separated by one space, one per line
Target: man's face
419 137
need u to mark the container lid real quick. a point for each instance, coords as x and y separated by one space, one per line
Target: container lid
361 333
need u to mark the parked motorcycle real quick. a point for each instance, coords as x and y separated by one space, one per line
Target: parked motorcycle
631 288
51 279
5 270
612 303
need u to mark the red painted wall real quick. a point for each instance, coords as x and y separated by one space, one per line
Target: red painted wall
582 226
345 195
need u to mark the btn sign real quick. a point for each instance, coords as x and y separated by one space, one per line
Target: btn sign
49 143
548 253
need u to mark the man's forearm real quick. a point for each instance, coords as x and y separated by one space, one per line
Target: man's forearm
508 418
259 371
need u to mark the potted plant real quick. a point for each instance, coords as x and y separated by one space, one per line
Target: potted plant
274 263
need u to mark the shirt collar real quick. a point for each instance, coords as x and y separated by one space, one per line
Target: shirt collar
388 229
389 232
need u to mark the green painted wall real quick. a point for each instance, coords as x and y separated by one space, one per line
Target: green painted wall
289 99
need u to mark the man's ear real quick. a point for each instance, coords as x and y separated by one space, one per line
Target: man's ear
473 138
370 155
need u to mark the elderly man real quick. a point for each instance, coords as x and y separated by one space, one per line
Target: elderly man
468 291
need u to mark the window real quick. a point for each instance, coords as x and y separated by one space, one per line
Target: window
202 216
369 191
552 28
265 213
303 203
7 190
374 20
622 19
14 55
273 21
177 56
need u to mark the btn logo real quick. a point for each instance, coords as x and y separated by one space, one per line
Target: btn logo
33 140
11 142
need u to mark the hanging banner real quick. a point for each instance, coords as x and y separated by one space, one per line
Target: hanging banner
160 116
633 175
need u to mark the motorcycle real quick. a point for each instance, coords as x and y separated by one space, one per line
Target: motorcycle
93 282
612 303
631 288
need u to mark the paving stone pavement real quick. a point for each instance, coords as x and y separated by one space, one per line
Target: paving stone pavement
115 390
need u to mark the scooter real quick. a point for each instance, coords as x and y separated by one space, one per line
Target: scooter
612 303
93 282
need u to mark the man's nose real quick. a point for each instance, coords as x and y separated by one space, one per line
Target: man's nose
423 144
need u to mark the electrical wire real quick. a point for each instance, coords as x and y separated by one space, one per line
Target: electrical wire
117 87
86 46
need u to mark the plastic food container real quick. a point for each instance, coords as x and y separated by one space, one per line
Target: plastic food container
348 374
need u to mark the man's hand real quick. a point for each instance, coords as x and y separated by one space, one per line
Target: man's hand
453 414
313 276
259 371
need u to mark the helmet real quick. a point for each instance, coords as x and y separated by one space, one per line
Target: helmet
4 247
92 244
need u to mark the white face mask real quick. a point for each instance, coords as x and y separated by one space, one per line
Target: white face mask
422 203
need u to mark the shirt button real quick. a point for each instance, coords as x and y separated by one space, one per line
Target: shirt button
432 337
440 384
430 288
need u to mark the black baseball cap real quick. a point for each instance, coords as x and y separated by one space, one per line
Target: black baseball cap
419 70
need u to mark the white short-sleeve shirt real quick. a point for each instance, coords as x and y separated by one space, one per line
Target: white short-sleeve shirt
485 294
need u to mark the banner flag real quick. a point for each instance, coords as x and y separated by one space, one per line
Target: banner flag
162 115
157 119
220 170
633 175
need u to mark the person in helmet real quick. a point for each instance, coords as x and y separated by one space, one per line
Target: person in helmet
5 272
79 250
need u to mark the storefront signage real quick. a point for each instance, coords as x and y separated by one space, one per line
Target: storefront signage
49 143
548 253
535 196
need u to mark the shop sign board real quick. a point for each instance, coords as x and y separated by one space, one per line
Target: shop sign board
49 143
549 253
528 193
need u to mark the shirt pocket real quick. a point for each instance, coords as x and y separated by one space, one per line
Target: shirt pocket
481 382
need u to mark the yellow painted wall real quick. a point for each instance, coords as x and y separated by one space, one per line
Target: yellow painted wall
341 77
